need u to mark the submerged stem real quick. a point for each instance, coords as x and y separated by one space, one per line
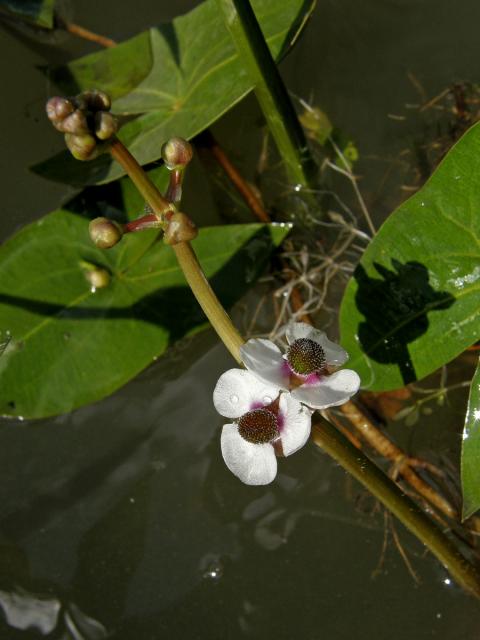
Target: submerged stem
411 516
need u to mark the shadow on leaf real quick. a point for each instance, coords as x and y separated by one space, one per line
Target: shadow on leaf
395 307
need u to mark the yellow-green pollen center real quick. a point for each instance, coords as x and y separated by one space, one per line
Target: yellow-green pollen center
305 356
258 426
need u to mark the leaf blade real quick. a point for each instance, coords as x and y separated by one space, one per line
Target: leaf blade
68 346
470 467
178 96
412 304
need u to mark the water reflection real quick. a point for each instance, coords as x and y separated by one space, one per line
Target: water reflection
26 611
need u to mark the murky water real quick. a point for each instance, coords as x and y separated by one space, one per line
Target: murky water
121 520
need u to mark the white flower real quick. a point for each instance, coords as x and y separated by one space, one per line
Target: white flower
307 369
264 424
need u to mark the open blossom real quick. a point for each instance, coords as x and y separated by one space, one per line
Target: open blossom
265 423
308 369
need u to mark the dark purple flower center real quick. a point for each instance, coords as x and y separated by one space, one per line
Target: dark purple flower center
305 356
258 426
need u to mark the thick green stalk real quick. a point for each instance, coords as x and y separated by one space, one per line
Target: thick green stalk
324 434
386 491
270 90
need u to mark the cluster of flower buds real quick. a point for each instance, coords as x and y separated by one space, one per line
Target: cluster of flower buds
85 120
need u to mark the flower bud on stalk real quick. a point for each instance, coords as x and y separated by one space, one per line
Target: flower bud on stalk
82 147
105 233
85 121
180 228
176 153
96 276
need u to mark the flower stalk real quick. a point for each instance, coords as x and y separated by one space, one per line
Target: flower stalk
184 252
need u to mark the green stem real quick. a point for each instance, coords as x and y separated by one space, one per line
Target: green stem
159 205
270 90
326 436
207 299
386 491
186 257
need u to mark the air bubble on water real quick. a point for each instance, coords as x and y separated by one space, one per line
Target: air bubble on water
234 399
211 568
447 581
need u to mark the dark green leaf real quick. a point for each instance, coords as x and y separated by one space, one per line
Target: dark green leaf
195 77
37 12
471 450
65 346
413 302
117 70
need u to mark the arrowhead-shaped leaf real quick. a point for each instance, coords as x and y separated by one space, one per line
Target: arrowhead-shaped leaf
413 303
471 450
64 346
182 76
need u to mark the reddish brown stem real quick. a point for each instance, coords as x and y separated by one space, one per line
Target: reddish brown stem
234 175
86 34
149 221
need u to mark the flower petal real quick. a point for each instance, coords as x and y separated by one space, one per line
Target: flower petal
330 391
252 463
238 391
295 429
334 353
265 360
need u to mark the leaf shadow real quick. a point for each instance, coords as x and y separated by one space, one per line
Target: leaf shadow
396 307
169 34
174 308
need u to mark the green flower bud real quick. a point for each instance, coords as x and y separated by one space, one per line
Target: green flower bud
105 233
58 109
98 278
75 123
82 147
177 153
105 125
180 228
93 100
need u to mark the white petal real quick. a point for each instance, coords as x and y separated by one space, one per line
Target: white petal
296 424
334 353
330 391
238 391
265 360
252 463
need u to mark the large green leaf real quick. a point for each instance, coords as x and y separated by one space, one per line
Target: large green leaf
195 77
37 12
471 450
413 303
65 346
